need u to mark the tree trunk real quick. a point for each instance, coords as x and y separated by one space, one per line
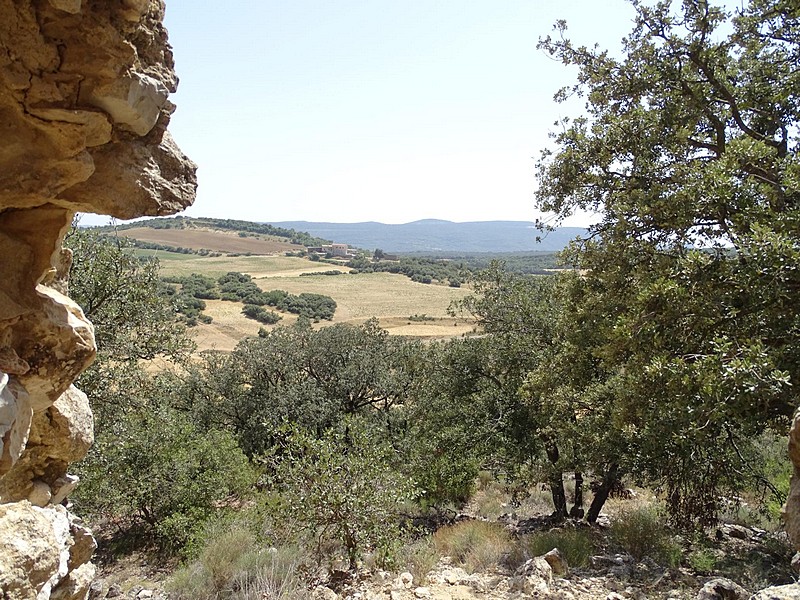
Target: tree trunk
601 495
557 485
577 505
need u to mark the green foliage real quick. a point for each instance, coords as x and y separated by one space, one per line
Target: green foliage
688 150
420 270
119 293
297 375
240 287
338 488
702 561
158 470
134 320
641 531
260 314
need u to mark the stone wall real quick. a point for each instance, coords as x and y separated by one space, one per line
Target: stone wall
84 108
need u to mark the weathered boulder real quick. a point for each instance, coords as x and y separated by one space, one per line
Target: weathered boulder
84 109
779 592
722 589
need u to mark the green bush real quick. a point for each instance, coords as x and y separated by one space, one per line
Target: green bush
156 471
338 489
260 314
702 561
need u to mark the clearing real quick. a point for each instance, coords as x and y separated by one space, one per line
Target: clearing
391 298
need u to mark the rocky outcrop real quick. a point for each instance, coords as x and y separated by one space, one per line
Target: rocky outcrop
791 511
84 108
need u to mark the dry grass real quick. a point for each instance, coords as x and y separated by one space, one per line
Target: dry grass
228 327
391 298
474 545
256 266
381 295
220 241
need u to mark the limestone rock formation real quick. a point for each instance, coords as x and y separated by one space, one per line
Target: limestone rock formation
792 509
84 109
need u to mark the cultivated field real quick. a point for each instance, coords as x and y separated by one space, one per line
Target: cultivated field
390 298
220 241
255 266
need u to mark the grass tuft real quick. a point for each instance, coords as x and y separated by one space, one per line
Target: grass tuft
641 531
474 545
576 546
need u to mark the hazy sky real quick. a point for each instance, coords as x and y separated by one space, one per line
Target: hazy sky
372 110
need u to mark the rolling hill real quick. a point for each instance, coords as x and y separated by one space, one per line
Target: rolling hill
432 235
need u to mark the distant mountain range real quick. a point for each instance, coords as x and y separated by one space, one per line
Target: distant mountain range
433 235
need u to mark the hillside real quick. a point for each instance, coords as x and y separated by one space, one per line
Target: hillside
210 239
432 235
425 236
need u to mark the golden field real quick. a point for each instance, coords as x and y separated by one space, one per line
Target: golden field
390 298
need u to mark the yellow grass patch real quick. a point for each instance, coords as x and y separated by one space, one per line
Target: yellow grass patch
382 295
256 266
389 297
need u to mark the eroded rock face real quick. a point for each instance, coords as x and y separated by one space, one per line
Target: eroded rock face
791 512
84 108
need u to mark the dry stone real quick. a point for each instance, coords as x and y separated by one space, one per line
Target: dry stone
791 513
84 106
779 592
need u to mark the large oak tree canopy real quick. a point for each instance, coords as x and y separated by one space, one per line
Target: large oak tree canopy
689 150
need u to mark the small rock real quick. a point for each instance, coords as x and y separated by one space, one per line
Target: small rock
40 494
422 592
96 589
737 532
381 575
144 594
796 562
634 593
324 593
406 579
557 562
114 591
534 577
615 596
722 589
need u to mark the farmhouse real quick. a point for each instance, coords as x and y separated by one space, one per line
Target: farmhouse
337 250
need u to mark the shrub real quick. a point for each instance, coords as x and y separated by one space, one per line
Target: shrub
232 565
575 544
703 561
474 545
418 558
641 531
260 314
157 471
338 488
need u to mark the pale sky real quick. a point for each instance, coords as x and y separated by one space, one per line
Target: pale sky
372 110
